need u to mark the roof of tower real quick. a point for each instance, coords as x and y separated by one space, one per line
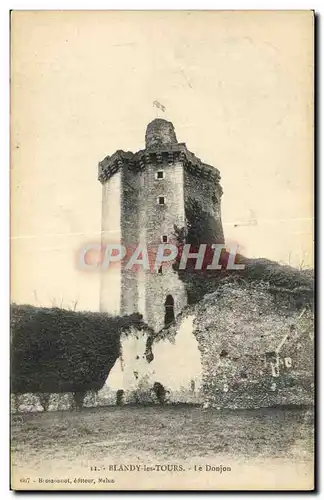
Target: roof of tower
159 133
161 146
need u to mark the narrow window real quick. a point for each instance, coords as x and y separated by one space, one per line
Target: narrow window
160 270
164 238
169 310
161 200
159 174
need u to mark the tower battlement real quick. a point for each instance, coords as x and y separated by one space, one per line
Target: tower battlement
161 147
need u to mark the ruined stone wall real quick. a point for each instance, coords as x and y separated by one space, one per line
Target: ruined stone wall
220 353
175 363
238 329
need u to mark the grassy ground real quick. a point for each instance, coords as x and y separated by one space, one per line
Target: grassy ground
68 440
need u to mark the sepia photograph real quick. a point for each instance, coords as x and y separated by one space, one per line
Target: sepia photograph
162 295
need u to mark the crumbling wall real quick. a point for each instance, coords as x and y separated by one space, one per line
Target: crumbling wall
243 346
174 362
239 329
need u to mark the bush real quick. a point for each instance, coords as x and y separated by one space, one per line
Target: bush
54 350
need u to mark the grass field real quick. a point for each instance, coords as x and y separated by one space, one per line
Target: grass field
69 441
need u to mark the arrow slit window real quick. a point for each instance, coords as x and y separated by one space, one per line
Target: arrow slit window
159 175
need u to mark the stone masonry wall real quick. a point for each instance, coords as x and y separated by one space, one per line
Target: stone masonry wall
110 279
143 221
132 204
160 220
208 194
239 328
220 352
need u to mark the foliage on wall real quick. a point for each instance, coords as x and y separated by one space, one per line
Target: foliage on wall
54 350
200 229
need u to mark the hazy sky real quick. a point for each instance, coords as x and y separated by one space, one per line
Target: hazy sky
238 87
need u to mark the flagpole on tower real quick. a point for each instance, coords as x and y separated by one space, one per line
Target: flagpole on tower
158 106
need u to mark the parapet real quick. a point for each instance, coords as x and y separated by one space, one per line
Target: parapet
161 147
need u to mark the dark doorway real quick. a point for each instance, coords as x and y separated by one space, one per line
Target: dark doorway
169 310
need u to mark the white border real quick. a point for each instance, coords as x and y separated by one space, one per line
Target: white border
162 5
316 5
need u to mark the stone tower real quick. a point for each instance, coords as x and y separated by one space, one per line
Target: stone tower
144 195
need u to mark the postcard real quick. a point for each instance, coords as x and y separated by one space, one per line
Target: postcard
162 282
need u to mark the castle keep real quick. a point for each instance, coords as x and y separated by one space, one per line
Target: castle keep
144 195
